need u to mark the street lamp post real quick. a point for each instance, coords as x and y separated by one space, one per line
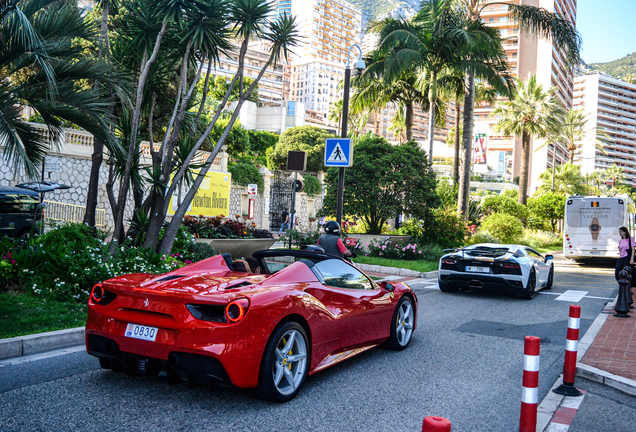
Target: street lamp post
554 150
359 66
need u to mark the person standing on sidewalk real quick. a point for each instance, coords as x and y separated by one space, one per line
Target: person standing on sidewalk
626 251
285 218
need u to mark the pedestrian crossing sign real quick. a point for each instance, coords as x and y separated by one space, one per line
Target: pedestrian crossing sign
338 152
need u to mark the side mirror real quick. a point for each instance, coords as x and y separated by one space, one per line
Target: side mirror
387 286
548 257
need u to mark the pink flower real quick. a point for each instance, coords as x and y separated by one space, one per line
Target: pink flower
367 244
12 261
403 249
420 252
380 253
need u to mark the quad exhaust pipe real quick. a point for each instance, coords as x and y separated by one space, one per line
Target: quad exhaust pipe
174 360
111 348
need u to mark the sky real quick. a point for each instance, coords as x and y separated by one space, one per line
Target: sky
608 29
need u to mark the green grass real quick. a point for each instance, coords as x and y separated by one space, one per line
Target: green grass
546 249
22 314
421 266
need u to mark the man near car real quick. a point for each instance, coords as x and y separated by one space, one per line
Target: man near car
285 218
331 241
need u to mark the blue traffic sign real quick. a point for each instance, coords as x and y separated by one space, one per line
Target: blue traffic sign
338 152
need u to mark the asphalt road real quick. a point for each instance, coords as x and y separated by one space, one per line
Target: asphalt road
464 363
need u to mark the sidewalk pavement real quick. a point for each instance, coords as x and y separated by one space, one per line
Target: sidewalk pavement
611 356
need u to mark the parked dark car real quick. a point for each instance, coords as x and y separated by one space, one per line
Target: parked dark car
19 210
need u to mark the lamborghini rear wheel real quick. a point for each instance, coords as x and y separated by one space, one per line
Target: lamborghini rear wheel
285 363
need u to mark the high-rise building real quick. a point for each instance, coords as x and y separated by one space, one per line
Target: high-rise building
274 86
528 56
328 29
370 41
610 104
281 7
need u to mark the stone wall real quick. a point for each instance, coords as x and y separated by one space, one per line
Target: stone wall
71 160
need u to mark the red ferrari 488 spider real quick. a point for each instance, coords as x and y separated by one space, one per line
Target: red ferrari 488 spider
265 327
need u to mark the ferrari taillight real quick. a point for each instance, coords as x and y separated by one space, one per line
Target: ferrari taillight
100 296
235 310
97 294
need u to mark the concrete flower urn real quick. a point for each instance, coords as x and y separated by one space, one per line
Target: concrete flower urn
238 248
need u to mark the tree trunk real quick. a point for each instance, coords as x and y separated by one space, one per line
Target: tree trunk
464 182
132 145
570 156
93 182
165 245
458 111
525 168
432 99
98 145
408 120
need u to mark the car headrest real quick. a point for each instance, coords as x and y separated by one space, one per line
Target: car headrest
241 266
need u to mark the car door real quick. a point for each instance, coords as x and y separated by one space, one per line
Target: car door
364 310
9 213
542 267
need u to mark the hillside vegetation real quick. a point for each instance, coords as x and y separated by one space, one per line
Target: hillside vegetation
621 68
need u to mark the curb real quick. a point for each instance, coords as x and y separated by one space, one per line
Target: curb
600 376
396 271
40 342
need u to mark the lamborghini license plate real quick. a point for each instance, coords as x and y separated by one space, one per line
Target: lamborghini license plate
141 332
477 269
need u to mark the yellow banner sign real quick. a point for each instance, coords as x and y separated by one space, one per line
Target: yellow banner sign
211 199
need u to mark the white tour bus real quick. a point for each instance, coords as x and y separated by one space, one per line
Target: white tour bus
591 225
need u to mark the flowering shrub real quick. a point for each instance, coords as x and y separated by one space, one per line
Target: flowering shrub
540 239
404 250
67 261
219 227
301 238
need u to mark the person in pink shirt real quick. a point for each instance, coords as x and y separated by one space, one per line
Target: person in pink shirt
626 247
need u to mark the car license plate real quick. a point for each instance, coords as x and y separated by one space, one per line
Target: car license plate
141 332
478 269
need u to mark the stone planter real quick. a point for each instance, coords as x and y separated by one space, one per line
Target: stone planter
364 239
238 248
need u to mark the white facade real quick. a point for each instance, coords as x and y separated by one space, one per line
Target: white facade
276 119
610 104
328 28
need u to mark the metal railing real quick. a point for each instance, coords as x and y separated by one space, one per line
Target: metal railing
71 213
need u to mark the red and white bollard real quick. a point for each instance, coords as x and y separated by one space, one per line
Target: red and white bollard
530 392
436 424
571 348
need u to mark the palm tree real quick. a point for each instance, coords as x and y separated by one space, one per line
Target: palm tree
568 180
534 21
615 174
530 113
398 127
437 42
374 90
597 177
43 69
571 131
335 114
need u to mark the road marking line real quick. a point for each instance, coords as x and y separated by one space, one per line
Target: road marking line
572 296
587 296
